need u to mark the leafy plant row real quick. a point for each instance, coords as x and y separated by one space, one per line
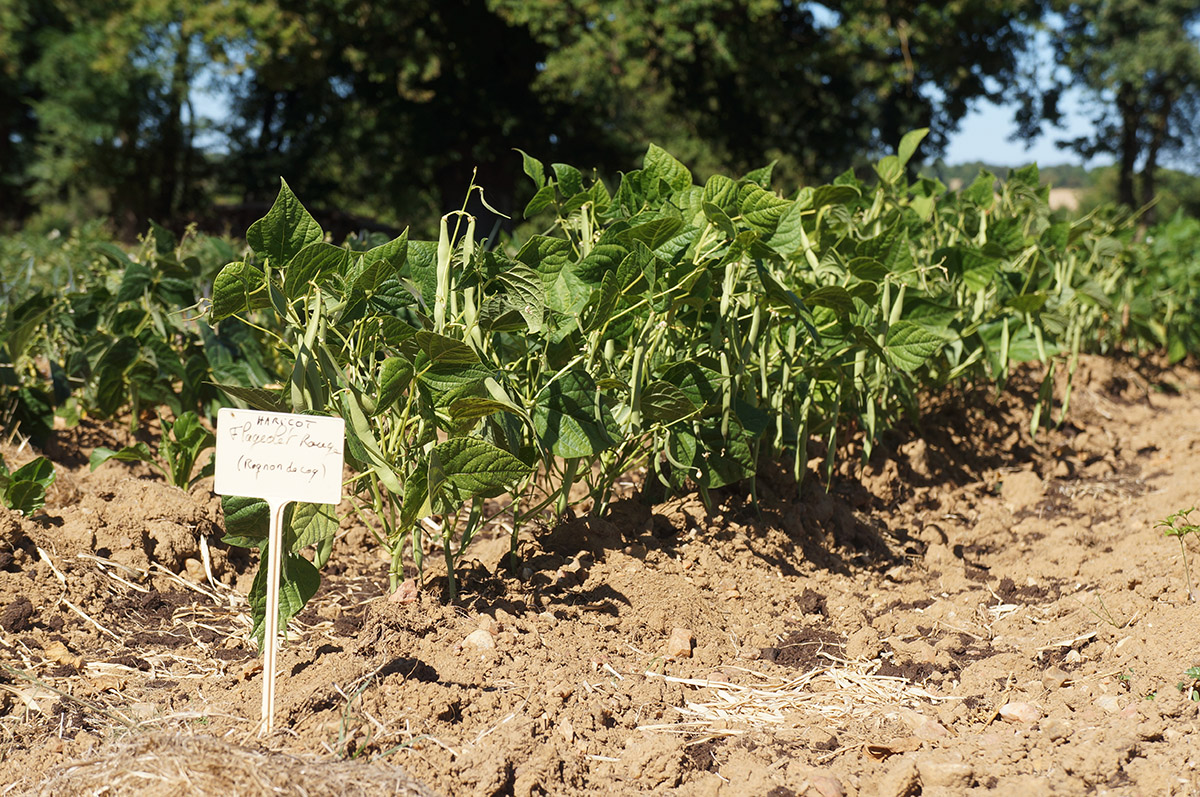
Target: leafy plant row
695 330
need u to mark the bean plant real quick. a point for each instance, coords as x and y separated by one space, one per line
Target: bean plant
694 330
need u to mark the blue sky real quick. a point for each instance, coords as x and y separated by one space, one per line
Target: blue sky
984 136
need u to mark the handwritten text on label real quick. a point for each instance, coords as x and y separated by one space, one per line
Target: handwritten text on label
279 455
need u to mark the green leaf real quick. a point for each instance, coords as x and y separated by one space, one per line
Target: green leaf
286 229
469 408
889 169
1027 302
654 233
247 521
834 297
139 452
981 191
239 287
474 468
524 288
379 265
700 384
395 375
39 470
314 263
569 417
722 192
723 461
761 176
25 497
602 304
533 168
136 279
763 209
445 350
908 345
255 398
298 583
313 524
570 181
543 199
834 195
660 164
665 403
909 143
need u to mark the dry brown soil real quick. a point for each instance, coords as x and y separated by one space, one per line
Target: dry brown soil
972 610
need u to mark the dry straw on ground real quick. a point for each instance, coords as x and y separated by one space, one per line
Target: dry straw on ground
175 765
842 689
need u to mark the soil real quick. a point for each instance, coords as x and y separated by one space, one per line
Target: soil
972 610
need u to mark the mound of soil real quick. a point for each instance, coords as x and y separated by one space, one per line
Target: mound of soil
971 610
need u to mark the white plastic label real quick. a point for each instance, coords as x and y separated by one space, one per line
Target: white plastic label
279 456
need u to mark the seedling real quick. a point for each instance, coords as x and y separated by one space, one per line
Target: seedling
1178 525
183 441
1190 687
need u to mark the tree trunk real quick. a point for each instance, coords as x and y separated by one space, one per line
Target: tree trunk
1158 135
1127 107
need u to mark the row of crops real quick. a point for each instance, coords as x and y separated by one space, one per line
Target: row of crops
693 330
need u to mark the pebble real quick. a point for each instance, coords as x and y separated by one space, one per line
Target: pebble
1054 678
822 784
1026 713
143 711
407 592
1055 728
479 640
945 771
1109 703
193 570
679 644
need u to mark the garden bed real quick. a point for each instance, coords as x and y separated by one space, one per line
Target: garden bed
972 610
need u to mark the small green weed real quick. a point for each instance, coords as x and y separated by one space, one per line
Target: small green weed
1190 687
1178 525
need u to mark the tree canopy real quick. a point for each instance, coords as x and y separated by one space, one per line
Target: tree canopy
1138 62
385 110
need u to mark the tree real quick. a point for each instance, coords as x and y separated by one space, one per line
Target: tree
1138 61
385 109
727 83
96 103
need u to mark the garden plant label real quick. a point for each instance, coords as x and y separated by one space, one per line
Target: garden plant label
280 457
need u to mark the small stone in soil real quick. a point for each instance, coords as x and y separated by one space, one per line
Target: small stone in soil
825 785
479 640
1026 713
407 592
945 770
679 644
1054 678
1055 729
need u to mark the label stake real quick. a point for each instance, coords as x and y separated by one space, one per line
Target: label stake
279 457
